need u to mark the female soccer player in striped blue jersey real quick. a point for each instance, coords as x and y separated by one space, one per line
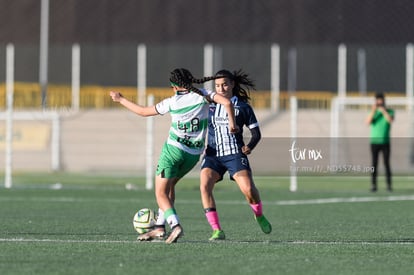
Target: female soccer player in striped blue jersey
227 152
189 112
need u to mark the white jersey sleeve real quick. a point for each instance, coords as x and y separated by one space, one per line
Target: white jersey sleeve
163 106
208 93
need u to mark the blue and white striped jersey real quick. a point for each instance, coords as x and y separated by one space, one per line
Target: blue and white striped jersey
220 140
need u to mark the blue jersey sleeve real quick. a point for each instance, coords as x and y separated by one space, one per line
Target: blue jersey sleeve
250 119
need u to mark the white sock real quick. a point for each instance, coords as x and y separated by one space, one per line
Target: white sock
160 219
173 220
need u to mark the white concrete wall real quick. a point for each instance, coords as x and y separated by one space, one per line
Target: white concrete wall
115 140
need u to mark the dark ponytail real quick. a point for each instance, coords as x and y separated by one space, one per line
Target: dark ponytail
242 83
183 78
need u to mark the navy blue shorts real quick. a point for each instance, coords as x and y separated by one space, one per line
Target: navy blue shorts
231 163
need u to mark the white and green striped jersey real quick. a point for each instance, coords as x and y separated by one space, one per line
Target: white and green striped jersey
189 120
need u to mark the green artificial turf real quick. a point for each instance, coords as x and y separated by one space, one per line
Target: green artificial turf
331 225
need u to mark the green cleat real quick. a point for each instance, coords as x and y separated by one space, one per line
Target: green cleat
264 224
218 235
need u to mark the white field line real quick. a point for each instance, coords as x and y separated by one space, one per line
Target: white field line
346 200
229 202
30 240
297 242
287 202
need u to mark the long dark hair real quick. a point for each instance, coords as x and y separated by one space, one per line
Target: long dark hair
242 83
183 78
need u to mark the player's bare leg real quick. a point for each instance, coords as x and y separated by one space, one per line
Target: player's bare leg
245 182
165 195
208 179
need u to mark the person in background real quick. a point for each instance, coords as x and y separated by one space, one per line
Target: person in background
380 119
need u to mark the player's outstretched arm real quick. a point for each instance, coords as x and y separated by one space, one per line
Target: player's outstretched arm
138 109
230 111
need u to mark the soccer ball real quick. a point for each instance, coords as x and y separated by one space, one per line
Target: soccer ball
144 220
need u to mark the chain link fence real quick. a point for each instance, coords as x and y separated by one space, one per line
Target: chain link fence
308 32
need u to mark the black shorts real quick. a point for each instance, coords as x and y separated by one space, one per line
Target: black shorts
232 163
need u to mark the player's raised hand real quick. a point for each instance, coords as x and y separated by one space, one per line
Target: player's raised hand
116 96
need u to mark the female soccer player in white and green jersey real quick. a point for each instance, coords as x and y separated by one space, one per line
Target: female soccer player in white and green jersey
186 141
